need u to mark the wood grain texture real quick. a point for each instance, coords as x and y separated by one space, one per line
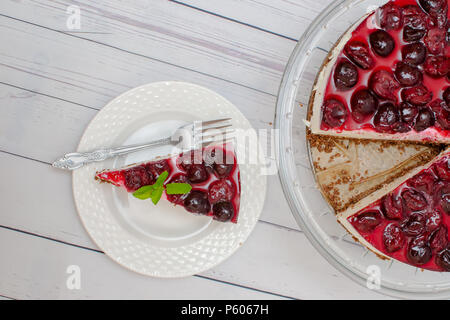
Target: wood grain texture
26 279
172 33
53 82
269 251
288 18
31 115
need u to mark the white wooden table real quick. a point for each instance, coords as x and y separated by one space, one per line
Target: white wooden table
55 79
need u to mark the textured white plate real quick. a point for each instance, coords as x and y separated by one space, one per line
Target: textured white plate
162 240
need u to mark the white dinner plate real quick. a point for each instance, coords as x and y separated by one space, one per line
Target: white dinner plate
162 240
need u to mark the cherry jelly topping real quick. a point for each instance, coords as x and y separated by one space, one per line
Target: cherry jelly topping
411 223
398 55
212 172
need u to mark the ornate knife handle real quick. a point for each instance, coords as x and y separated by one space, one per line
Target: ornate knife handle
72 161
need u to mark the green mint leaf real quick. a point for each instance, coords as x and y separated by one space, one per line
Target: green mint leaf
144 192
160 181
156 195
178 188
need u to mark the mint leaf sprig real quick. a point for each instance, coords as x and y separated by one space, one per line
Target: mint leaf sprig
155 191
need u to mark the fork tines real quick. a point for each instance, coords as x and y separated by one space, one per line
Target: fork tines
214 131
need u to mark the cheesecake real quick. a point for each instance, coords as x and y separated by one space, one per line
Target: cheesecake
212 173
407 219
387 77
379 129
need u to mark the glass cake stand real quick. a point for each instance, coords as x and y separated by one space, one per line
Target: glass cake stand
313 214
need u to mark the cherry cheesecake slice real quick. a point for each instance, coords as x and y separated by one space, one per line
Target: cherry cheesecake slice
408 219
388 76
213 173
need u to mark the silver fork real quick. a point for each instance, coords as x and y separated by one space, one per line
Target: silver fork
191 136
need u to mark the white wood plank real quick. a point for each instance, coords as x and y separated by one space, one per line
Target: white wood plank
91 74
25 118
39 271
172 33
274 259
284 17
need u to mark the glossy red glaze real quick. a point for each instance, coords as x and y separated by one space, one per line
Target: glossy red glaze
149 172
425 208
361 35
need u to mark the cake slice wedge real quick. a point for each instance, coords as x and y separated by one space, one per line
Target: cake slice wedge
347 170
387 77
407 219
213 173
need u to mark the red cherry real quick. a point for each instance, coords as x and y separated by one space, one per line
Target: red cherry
392 206
407 75
386 116
419 252
345 75
177 198
223 211
197 173
414 200
414 53
437 9
441 197
443 259
446 97
442 169
442 115
438 239
382 43
368 221
415 23
383 83
434 220
221 190
401 127
393 238
189 158
414 225
364 104
423 182
197 202
334 113
359 53
137 177
390 17
408 112
436 66
156 168
221 161
419 95
435 40
433 6
424 120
